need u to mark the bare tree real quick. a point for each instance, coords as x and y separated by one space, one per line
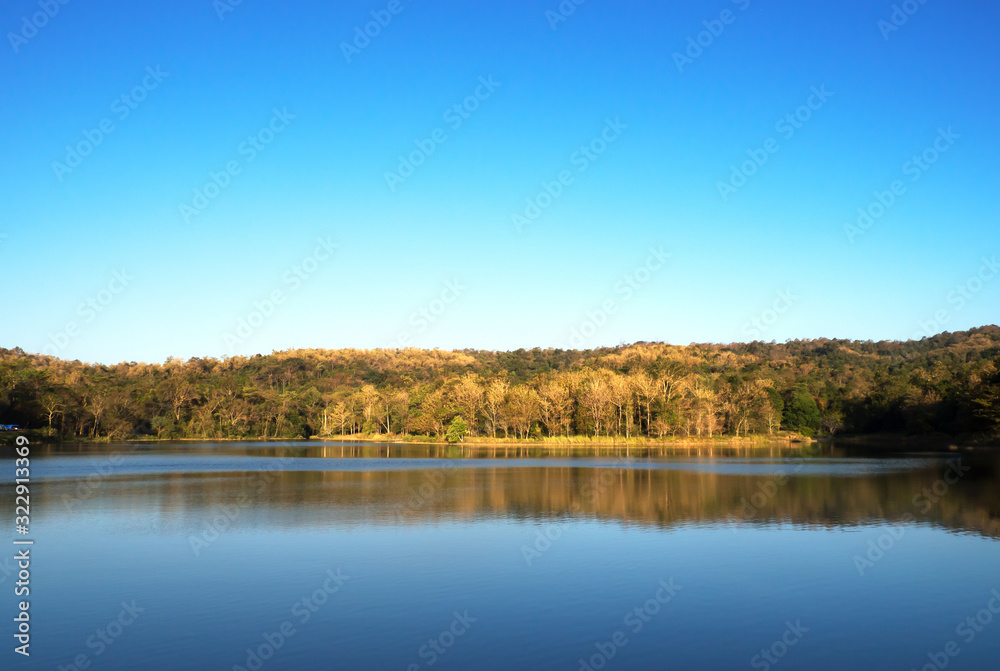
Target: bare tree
523 403
53 406
556 402
703 404
179 393
620 396
596 399
494 401
468 396
646 390
369 406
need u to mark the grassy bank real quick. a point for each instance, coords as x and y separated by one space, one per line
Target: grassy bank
881 442
543 441
582 441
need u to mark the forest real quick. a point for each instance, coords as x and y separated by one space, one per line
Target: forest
948 384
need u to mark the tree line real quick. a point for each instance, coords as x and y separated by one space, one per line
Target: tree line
948 384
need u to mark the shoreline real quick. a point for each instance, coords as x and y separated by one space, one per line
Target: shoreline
880 442
577 441
559 441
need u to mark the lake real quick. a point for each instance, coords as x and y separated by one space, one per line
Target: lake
307 555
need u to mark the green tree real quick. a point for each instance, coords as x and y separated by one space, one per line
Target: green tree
456 430
801 412
986 397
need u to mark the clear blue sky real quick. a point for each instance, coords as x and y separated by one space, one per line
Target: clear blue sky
675 133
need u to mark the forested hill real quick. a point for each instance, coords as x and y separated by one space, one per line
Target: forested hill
949 384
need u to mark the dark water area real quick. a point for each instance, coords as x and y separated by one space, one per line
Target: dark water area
344 556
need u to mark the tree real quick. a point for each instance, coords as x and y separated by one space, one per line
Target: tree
746 403
522 404
801 412
661 427
369 408
433 414
555 405
596 399
235 412
53 405
311 399
179 393
620 396
673 383
773 409
646 390
469 399
985 396
703 404
160 423
97 405
493 403
457 430
833 421
339 416
399 402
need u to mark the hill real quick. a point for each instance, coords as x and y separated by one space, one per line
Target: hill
948 384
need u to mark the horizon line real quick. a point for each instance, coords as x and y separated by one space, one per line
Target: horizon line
226 357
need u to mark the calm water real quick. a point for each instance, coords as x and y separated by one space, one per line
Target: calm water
325 556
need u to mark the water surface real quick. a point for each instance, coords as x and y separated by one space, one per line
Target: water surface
334 556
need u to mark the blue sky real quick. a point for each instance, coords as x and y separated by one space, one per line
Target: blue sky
640 241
